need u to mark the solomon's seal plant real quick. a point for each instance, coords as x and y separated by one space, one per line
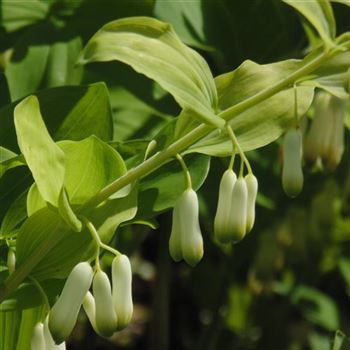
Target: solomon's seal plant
79 186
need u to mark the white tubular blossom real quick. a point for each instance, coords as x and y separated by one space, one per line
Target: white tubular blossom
319 135
50 343
222 229
252 187
38 341
11 260
238 218
122 289
191 236
292 173
334 149
89 307
106 318
64 313
175 248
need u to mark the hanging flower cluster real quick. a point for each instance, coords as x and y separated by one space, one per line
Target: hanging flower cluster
234 217
324 142
109 308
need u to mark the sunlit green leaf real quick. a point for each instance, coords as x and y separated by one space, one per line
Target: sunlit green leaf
264 122
44 158
90 164
83 111
152 48
67 212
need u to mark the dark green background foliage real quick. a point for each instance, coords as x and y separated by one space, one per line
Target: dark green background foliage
287 284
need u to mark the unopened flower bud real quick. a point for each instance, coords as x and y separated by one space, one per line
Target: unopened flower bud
89 307
252 187
239 203
175 248
49 342
292 173
106 318
191 236
334 149
319 135
11 260
38 339
64 313
222 230
122 289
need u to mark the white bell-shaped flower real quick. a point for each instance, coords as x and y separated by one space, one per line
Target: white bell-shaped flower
186 221
239 203
49 342
122 289
252 187
38 340
105 316
64 313
175 247
292 173
222 229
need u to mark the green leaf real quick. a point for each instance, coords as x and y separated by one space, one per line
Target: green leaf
26 69
73 112
17 14
43 225
320 15
316 307
344 2
15 215
152 48
160 190
344 268
264 122
44 158
318 341
71 247
28 296
5 93
90 165
9 160
338 340
61 69
133 117
187 18
112 213
67 213
334 84
28 320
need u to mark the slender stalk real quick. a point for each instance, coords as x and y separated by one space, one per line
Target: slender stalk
186 171
235 144
157 161
42 292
